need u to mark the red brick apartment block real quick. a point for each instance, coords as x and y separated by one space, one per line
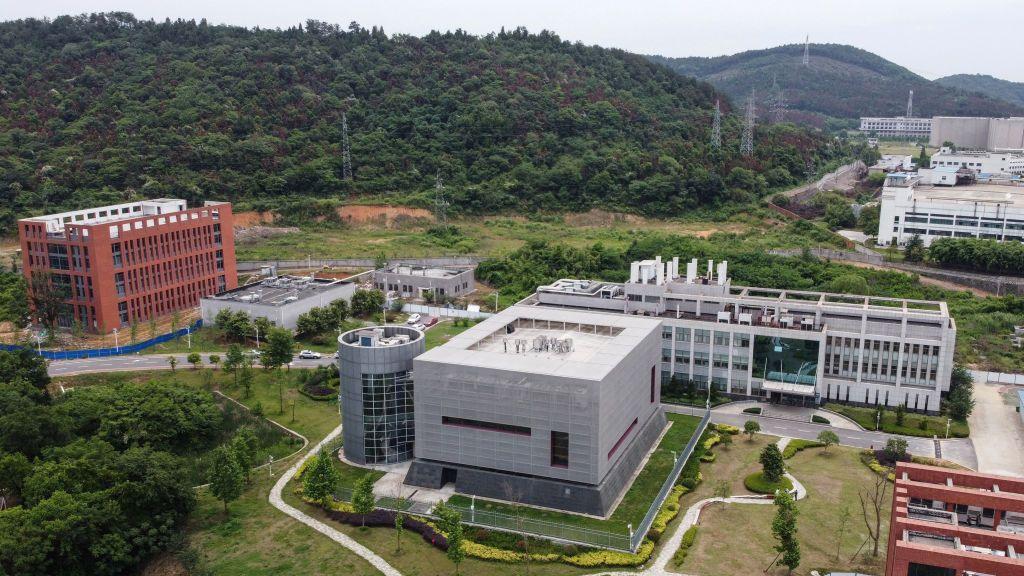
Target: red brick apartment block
131 262
954 523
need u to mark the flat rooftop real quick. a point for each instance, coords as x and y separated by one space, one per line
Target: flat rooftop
423 271
551 341
1005 194
111 213
281 290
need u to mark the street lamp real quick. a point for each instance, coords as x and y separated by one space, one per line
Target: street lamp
496 292
948 422
39 343
117 346
878 419
188 335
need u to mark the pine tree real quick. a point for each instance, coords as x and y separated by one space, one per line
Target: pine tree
772 463
225 477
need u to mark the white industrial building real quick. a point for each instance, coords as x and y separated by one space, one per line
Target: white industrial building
979 161
949 202
897 127
279 299
785 346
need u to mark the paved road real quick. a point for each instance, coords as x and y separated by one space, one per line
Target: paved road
996 430
146 362
959 450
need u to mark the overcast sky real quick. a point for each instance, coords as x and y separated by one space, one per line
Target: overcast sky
931 37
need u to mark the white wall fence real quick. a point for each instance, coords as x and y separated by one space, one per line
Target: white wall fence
981 377
256 265
441 311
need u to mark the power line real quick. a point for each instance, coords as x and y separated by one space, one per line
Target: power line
747 141
807 51
777 103
716 127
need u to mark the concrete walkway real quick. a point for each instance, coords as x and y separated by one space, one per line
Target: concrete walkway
795 413
339 537
996 431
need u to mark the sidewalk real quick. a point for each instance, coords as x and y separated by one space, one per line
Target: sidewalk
781 411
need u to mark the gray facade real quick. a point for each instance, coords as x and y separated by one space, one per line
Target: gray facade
280 299
375 365
411 281
564 424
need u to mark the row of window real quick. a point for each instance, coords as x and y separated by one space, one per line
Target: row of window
146 278
700 336
166 245
388 422
162 302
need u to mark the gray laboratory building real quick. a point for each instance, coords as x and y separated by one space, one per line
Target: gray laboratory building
411 281
551 407
375 365
280 299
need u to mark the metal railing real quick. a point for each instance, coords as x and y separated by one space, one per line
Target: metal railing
640 532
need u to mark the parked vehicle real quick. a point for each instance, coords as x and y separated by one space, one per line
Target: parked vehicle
413 319
310 355
420 327
431 320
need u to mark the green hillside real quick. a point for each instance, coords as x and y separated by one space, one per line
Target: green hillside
840 81
1012 92
105 107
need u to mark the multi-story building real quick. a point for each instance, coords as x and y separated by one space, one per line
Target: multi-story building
979 161
897 127
781 345
375 366
950 202
981 133
412 281
279 299
555 408
130 262
948 522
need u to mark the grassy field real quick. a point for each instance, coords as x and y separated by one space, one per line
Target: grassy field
443 332
500 234
638 498
935 425
736 538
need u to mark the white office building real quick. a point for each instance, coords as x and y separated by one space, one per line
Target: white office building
897 127
783 346
948 202
979 161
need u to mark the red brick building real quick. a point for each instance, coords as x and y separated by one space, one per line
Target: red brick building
127 263
955 523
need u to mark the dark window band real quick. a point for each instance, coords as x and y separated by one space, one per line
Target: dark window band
622 438
481 425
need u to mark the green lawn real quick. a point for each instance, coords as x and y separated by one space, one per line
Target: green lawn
442 332
635 503
934 425
833 480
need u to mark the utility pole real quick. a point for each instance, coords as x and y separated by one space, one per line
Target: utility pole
346 150
440 204
716 127
807 51
747 141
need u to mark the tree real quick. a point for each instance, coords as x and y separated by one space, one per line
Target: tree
133 332
901 414
691 390
175 322
896 448
321 478
751 428
772 464
243 447
723 489
233 360
784 530
226 478
923 160
279 348
450 523
849 284
363 500
725 439
367 302
195 360
872 506
842 526
828 438
47 298
173 361
262 326
960 401
244 377
914 250
214 360
400 503
152 327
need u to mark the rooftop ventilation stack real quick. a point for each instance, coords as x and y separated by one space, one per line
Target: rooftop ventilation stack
659 271
634 272
691 271
675 268
723 268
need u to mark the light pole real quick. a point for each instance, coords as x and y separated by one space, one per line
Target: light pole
188 335
257 328
270 465
39 343
117 345
948 422
496 292
878 419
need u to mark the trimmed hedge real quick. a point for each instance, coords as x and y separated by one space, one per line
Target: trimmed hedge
820 419
708 457
600 558
667 513
727 429
711 440
689 537
869 460
798 445
752 410
756 483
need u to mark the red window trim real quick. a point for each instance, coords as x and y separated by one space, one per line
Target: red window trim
622 438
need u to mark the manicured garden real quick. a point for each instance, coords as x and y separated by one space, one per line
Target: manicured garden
913 424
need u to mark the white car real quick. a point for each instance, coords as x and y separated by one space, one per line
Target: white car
414 319
420 327
310 355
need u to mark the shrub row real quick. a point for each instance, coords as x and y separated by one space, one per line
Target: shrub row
689 537
708 457
318 393
711 440
868 458
797 445
752 410
600 558
756 483
727 429
820 419
668 511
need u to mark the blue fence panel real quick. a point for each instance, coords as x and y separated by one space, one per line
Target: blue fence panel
103 352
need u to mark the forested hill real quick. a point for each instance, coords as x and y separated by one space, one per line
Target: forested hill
995 87
104 107
840 81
